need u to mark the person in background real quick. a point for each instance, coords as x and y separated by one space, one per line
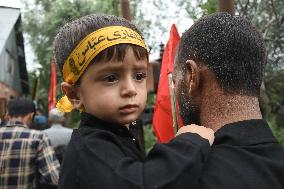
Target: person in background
26 155
57 133
40 121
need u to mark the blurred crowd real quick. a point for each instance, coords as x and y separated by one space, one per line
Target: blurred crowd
32 145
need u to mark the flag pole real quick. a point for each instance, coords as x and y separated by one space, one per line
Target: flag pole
173 102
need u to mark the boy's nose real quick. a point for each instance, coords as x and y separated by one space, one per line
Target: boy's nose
129 88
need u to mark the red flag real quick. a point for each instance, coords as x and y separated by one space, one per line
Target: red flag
52 86
162 118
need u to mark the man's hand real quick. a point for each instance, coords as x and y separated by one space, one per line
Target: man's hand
200 130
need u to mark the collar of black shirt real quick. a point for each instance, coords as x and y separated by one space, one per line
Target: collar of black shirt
88 120
248 132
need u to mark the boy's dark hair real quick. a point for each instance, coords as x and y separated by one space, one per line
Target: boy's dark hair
231 48
72 33
20 107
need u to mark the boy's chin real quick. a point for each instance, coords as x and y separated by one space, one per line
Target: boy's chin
128 122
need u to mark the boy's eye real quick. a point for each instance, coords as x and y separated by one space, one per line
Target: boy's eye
111 78
140 76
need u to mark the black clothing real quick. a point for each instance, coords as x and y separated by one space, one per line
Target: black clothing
244 155
106 155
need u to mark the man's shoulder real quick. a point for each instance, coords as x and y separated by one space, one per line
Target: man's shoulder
59 128
20 132
58 131
65 129
247 165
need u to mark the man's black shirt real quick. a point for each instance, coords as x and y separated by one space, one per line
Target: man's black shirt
107 155
245 155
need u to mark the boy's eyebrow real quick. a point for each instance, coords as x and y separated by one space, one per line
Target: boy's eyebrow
140 66
108 67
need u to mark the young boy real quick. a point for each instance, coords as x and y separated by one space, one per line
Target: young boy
104 64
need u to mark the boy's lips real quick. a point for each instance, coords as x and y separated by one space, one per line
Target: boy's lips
128 109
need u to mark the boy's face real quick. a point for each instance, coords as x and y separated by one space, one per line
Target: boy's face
115 91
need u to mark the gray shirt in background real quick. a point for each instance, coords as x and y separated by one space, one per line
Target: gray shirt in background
58 135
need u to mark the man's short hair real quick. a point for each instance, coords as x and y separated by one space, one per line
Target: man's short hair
231 48
20 107
56 116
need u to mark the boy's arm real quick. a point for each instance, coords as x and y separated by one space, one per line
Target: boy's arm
173 165
181 161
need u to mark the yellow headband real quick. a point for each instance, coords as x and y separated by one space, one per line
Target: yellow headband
89 48
93 44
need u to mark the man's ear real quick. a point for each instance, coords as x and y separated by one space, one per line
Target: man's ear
31 116
192 76
28 119
73 94
6 116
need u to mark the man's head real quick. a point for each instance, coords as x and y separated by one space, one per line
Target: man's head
218 49
55 116
21 109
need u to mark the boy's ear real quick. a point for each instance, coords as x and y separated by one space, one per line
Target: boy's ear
192 76
73 94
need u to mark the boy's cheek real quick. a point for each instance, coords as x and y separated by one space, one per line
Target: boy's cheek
145 100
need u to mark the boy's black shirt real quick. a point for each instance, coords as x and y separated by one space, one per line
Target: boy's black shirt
107 155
